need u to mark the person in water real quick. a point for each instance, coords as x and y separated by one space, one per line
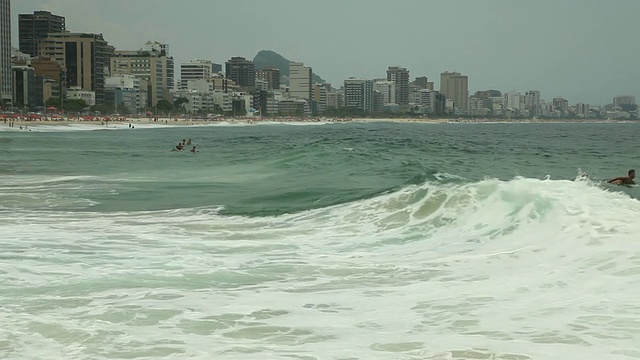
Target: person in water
179 147
624 180
194 150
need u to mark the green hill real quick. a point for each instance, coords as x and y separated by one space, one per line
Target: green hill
268 58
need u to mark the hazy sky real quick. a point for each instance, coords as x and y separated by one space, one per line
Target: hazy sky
584 50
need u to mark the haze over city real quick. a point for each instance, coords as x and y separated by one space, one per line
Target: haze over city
581 50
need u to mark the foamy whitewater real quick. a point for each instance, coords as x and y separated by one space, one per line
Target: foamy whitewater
346 241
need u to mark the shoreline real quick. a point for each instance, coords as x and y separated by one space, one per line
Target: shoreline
131 122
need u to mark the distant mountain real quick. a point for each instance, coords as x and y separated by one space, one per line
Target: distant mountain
268 58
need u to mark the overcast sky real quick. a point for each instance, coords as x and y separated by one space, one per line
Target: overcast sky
583 50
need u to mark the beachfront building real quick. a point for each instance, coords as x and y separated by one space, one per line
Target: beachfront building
85 58
335 100
400 76
25 91
78 93
387 90
127 93
455 86
560 104
241 71
427 100
195 70
33 27
300 81
154 66
271 75
582 110
5 52
320 92
624 100
358 94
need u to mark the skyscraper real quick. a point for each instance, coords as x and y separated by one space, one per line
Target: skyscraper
358 94
455 86
85 57
5 51
241 71
400 76
32 27
300 81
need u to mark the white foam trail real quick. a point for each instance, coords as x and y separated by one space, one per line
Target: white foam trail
524 269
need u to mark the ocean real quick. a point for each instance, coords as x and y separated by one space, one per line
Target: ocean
330 241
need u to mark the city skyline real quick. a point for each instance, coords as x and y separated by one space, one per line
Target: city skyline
580 50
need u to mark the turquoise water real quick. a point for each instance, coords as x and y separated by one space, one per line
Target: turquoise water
337 241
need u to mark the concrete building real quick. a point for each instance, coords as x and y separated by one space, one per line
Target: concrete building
320 98
624 100
455 86
582 110
300 81
387 89
427 99
241 71
25 92
5 52
126 92
194 70
85 58
153 66
78 93
560 104
168 67
400 76
33 27
271 75
335 100
358 94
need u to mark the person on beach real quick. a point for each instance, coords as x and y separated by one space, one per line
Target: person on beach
624 180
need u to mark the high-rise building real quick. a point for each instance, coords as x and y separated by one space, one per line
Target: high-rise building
271 75
241 71
455 86
85 58
624 100
195 70
24 87
358 94
300 81
5 51
153 66
33 27
168 65
400 76
387 90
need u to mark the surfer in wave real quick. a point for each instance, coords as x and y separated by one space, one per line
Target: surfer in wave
624 180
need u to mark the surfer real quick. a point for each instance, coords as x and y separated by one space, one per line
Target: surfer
624 180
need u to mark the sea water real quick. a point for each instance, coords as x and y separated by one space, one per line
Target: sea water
340 241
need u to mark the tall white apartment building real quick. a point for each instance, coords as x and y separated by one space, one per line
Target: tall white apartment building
387 89
300 81
195 70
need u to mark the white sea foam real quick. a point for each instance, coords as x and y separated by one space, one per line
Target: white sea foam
524 269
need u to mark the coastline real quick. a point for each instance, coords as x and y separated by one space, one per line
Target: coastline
132 122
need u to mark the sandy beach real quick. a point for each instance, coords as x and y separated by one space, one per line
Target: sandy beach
132 122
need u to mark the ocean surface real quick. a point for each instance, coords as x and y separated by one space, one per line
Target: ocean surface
331 241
